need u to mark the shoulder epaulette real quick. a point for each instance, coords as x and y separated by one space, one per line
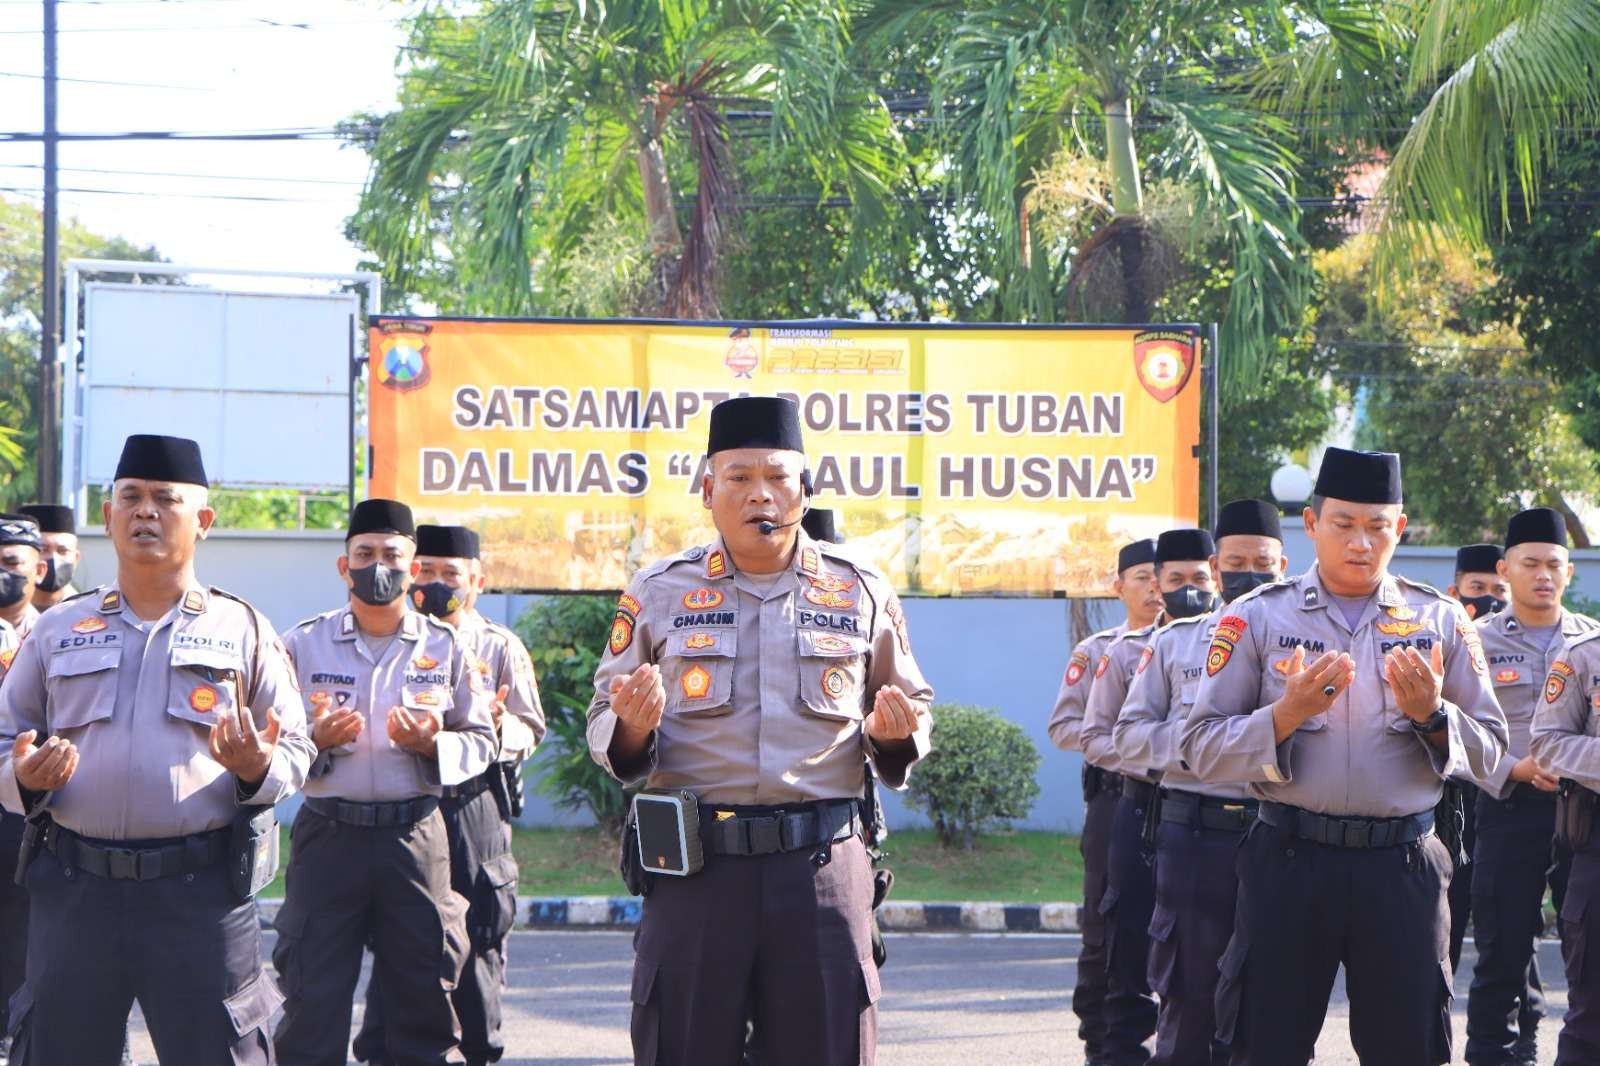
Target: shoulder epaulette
86 592
688 555
1583 638
1583 619
1262 590
314 619
1420 587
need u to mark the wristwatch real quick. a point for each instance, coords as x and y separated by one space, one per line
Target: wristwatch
1433 723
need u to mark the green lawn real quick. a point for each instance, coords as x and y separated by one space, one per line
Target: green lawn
1013 867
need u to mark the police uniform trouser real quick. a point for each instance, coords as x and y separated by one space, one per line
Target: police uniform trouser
1305 908
1580 952
13 914
1196 894
1129 903
771 937
348 885
1511 865
183 946
1089 995
484 872
1461 882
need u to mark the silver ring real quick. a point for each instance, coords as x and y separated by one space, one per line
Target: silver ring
1328 690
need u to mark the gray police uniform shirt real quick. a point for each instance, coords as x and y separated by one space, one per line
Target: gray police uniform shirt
1362 757
25 624
138 700
10 641
423 670
1165 684
1565 737
1066 721
501 660
1518 666
1113 676
767 688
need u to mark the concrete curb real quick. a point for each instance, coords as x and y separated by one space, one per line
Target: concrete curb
899 916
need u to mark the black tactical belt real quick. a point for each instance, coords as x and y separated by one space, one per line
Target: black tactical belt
758 831
1347 832
471 788
1207 812
374 815
1136 790
1096 780
104 858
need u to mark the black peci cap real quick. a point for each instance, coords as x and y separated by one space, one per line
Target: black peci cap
1136 553
381 516
1359 477
1540 525
20 529
818 524
151 457
1254 518
755 422
1184 544
51 517
1478 558
447 542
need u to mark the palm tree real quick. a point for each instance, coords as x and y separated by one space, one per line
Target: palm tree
525 124
1022 84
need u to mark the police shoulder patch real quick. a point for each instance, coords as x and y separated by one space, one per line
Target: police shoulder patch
621 633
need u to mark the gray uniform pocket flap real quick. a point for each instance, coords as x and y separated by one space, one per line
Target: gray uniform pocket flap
250 1008
500 870
79 662
702 642
644 980
831 645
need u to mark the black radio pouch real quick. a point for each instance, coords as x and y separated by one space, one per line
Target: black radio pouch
252 851
1574 814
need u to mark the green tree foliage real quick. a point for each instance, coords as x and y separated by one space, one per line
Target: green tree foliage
983 772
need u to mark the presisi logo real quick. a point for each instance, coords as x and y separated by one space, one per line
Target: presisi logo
835 360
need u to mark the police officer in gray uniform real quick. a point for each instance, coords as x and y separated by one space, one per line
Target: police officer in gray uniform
760 674
399 714
1201 823
477 815
1344 697
1188 588
140 725
1135 586
1516 809
60 530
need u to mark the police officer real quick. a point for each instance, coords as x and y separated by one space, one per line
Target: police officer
1516 809
1188 588
399 713
477 815
1344 697
22 566
1482 591
139 724
1135 586
1201 823
1565 744
60 530
760 673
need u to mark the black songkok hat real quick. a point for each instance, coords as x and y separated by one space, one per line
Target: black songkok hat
381 516
755 422
20 529
1541 525
1478 558
447 542
151 457
1184 544
51 517
1136 553
1254 518
818 524
1359 477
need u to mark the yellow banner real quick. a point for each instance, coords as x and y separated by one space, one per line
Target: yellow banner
962 460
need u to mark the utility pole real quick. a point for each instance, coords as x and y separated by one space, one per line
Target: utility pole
49 458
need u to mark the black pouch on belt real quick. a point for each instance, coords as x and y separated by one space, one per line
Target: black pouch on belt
669 832
633 872
1574 814
252 851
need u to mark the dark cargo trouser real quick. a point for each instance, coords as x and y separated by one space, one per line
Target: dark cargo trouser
768 937
13 915
1304 908
1511 865
1129 903
350 885
484 872
1580 952
1197 891
1089 996
183 946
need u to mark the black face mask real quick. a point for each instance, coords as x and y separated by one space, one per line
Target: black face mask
1236 583
12 588
58 577
1188 602
378 584
1478 606
438 599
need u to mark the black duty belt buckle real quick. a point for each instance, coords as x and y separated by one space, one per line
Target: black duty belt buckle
766 834
1358 834
126 864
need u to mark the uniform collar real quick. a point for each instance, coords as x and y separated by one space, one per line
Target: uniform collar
1508 623
1315 594
411 625
195 601
717 563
